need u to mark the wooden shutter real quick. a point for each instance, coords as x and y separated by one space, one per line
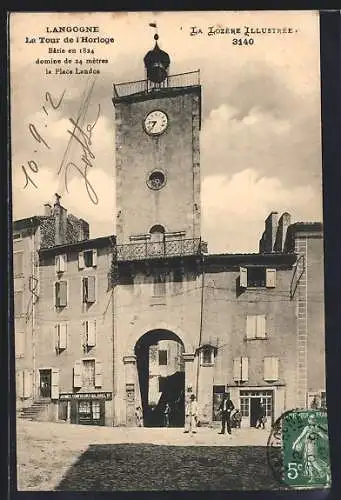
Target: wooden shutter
270 368
17 263
20 384
245 369
237 369
77 374
261 326
85 289
91 289
91 340
81 260
98 374
271 278
18 303
27 383
251 327
55 383
62 336
56 336
243 277
62 293
94 258
19 342
60 262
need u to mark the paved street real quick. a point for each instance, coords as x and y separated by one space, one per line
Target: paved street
53 456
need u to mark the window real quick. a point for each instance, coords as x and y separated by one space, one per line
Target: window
162 357
270 369
89 289
159 285
18 303
156 180
60 336
87 258
19 343
60 263
18 263
207 355
256 327
89 334
241 369
257 276
96 410
88 374
24 384
61 293
245 406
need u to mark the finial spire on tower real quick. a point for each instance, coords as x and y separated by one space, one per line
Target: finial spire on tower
156 61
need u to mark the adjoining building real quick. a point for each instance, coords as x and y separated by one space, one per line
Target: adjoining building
149 316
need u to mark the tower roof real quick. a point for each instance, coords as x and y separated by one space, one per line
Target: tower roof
157 62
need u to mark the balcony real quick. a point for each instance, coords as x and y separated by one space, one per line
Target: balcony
155 250
144 86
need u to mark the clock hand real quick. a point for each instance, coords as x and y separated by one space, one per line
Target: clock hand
154 123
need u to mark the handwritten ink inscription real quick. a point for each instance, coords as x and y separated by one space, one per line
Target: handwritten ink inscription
79 134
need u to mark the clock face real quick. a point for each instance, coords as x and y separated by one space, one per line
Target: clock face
156 122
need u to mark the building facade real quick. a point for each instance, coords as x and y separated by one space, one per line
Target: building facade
149 317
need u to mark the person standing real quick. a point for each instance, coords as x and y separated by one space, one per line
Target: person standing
139 416
191 415
166 415
261 417
226 407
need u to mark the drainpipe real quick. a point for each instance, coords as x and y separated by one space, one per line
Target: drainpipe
201 319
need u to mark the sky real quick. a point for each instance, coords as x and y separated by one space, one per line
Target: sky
260 137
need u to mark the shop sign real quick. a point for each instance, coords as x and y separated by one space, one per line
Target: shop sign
68 396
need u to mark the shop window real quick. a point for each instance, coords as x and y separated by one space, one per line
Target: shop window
257 277
96 410
163 358
89 289
61 293
87 258
271 369
256 327
60 263
18 303
18 263
245 406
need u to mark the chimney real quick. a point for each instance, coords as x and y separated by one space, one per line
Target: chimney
47 209
285 223
84 231
60 217
267 242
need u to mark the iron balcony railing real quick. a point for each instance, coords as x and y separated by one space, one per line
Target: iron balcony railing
180 80
152 250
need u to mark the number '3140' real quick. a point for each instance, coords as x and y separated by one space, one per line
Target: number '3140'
243 41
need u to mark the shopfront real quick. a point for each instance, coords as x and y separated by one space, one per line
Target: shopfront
83 408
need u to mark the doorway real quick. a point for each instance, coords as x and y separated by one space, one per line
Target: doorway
45 377
254 411
161 375
249 405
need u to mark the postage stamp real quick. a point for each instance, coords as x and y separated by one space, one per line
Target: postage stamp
298 449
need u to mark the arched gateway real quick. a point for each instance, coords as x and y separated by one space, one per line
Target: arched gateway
159 373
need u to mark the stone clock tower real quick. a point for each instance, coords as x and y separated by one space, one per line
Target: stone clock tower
157 153
159 248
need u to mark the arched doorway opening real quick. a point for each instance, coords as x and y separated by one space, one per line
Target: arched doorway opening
161 374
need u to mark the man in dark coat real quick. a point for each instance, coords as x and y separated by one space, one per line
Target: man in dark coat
226 407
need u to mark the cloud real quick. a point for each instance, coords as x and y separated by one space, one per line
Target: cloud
241 203
30 201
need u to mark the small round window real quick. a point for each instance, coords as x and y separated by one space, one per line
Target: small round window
156 180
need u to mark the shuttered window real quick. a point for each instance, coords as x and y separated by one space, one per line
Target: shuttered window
60 263
257 277
18 263
89 333
87 258
88 373
61 293
241 369
19 343
89 289
24 384
18 303
61 336
271 368
256 327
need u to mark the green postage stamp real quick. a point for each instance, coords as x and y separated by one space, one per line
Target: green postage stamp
305 448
